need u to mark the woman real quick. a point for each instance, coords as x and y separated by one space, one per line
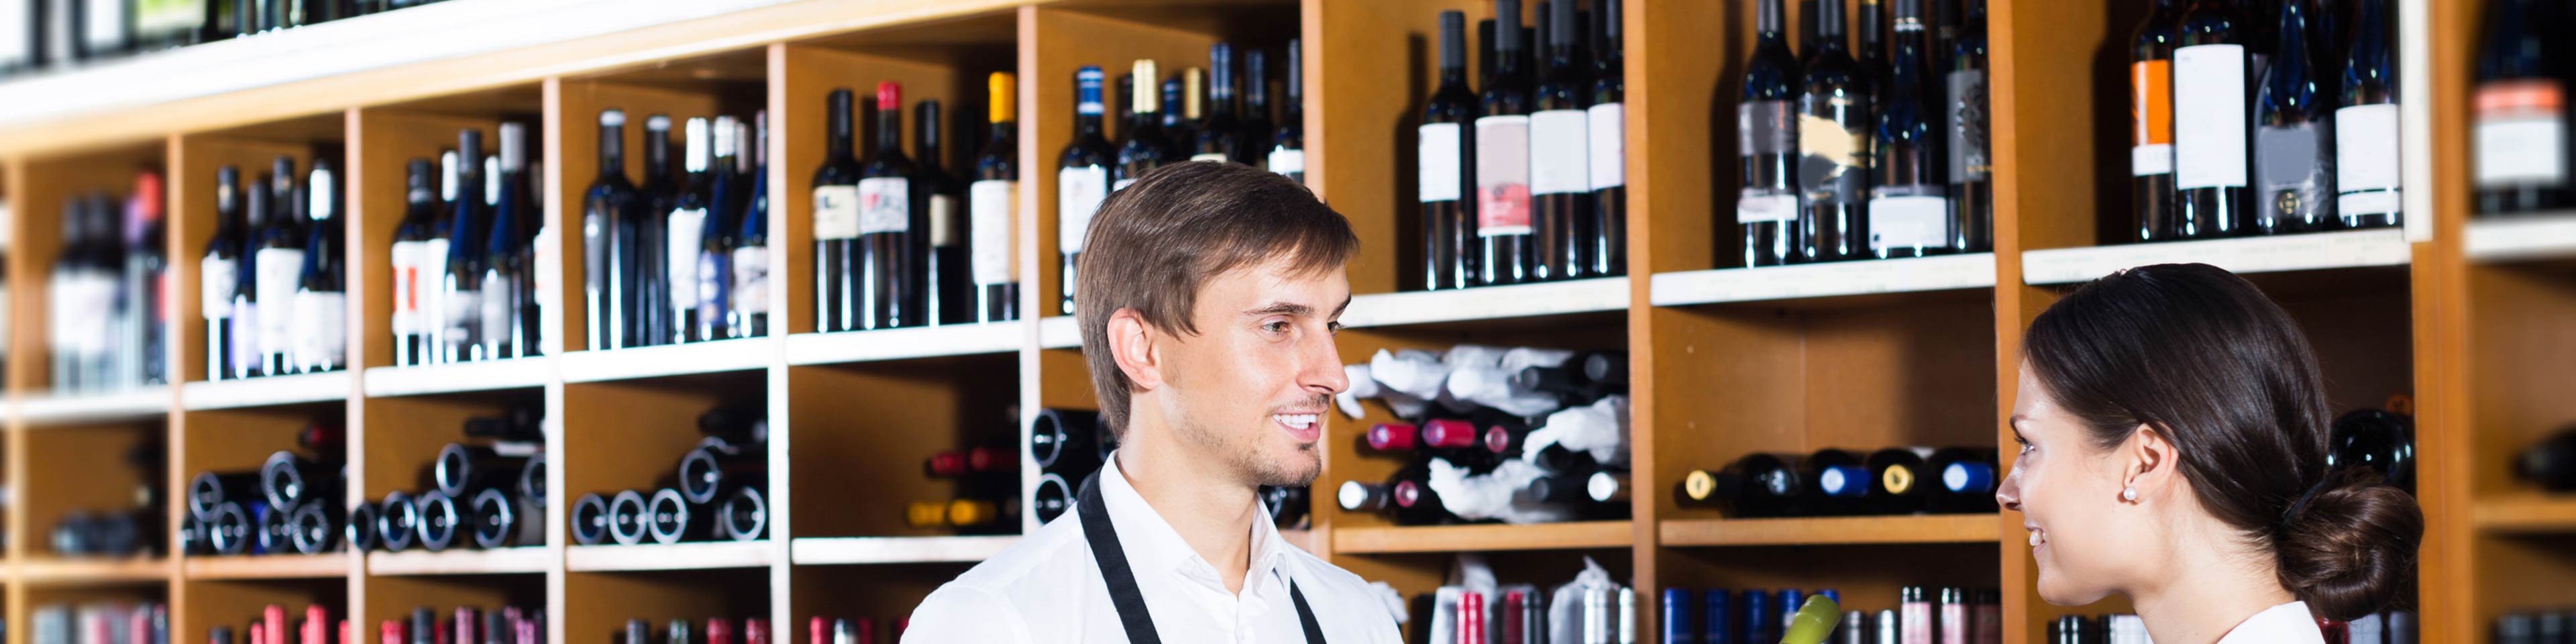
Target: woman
2172 427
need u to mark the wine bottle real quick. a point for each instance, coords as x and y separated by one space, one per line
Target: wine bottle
2211 68
1834 106
1053 498
652 232
2518 110
836 223
750 288
893 225
145 272
441 522
686 232
1758 485
321 296
397 522
406 258
312 529
500 520
743 516
2376 439
712 255
628 518
2151 124
1506 254
950 290
504 310
288 479
1896 476
359 530
2551 463
72 304
1972 190
589 516
705 476
1768 201
1081 179
1909 206
247 358
2365 127
1220 135
993 207
670 519
607 254
1287 147
1144 146
278 260
1180 115
1605 130
1562 220
1445 175
2293 136
460 291
1257 124
1838 482
1966 480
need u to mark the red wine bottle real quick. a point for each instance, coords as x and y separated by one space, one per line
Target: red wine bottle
1562 219
836 223
1445 174
2151 124
1081 179
1507 252
894 225
2212 70
1605 131
1767 201
993 208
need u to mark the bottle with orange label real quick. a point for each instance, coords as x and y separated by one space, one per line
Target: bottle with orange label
2518 114
2151 154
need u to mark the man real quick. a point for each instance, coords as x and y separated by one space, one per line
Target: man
1208 296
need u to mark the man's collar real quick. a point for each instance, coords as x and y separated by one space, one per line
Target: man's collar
1152 544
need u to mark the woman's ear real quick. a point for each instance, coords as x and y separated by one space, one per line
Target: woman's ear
2151 464
1131 341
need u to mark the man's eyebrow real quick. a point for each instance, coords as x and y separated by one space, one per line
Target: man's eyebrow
1282 308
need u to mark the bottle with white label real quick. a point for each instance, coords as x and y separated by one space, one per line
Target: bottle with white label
409 259
460 289
993 207
950 289
1606 131
1833 148
1766 204
751 243
1506 252
836 223
1081 180
242 348
713 253
894 225
146 276
686 228
321 292
1909 208
509 329
278 258
2294 134
1562 221
66 305
1446 175
2518 111
2365 133
1972 185
2211 72
607 255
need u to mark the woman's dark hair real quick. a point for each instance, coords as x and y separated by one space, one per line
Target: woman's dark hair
2225 374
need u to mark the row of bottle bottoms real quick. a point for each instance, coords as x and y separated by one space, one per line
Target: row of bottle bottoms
717 491
483 496
1526 180
1923 616
99 623
508 625
2524 627
291 504
466 259
1832 482
1523 614
103 301
718 630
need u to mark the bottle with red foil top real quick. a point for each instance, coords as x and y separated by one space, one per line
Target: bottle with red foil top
966 462
719 630
272 625
1514 603
316 618
1471 618
755 631
391 632
1392 437
818 631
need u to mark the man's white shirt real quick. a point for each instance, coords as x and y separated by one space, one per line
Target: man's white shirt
1047 588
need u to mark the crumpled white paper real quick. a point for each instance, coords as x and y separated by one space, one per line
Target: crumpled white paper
1600 429
1565 612
1493 495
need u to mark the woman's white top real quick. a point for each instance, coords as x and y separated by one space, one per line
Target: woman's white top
2284 624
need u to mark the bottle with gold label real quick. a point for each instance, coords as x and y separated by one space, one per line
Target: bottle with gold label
1897 484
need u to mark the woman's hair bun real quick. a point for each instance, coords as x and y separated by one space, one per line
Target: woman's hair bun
2348 551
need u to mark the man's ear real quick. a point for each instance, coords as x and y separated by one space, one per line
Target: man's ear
1131 342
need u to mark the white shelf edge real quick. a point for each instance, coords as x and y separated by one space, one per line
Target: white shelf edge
1059 332
517 560
1940 273
515 373
1488 303
741 354
902 344
704 555
896 550
2540 236
136 404
267 391
2269 254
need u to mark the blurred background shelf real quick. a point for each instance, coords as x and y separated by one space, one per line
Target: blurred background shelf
1487 303
2278 253
2527 514
2538 236
329 564
1936 528
1942 273
519 560
487 375
140 404
678 556
267 391
75 572
896 550
693 358
1577 535
901 344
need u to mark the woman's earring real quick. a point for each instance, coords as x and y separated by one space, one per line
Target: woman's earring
2129 494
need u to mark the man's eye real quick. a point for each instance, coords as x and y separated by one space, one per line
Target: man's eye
1333 327
1276 327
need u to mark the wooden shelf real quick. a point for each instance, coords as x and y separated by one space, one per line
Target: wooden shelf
678 556
325 565
490 375
147 403
668 360
1488 303
81 572
1059 332
267 392
1930 528
890 550
1837 279
905 344
521 560
2522 238
2527 514
2278 253
1484 537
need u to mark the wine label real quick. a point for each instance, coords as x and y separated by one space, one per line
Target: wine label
1121 184
715 280
1969 135
2366 159
464 313
215 282
498 310
1606 131
1078 192
2151 118
1908 220
751 279
321 328
885 205
680 262
993 230
1766 127
274 281
2294 169
836 212
1289 161
1556 152
944 222
2209 116
245 335
1502 176
2521 133
1760 206
1438 156
1833 148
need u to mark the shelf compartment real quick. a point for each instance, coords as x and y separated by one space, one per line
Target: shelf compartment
743 354
897 550
74 572
705 555
905 344
1935 528
328 564
2527 514
2269 254
146 403
267 391
505 561
1488 303
487 375
1837 279
2536 237
1576 535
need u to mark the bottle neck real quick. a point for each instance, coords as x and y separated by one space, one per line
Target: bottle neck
657 155
1771 19
890 130
612 150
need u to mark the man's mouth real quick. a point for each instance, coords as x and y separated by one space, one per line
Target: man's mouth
1306 426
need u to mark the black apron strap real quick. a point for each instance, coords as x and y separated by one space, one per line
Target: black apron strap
1123 592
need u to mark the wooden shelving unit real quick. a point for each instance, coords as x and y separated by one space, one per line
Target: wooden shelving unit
2469 316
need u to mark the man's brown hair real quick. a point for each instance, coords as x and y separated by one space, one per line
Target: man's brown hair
1153 244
